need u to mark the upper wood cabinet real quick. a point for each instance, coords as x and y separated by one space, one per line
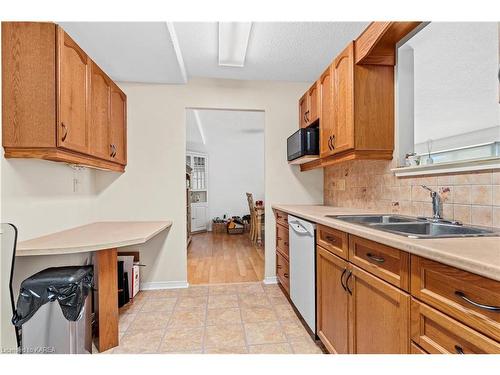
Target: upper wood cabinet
100 107
343 101
118 130
326 128
357 111
303 108
357 98
57 104
309 106
73 85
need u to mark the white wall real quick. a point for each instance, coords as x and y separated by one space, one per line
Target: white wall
456 84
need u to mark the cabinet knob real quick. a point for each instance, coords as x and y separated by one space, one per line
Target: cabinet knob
65 131
286 275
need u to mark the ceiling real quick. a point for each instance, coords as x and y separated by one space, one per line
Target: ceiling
163 52
215 127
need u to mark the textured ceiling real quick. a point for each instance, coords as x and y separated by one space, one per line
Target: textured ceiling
129 51
218 126
157 52
284 51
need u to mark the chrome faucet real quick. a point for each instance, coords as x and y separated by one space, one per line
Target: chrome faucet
436 204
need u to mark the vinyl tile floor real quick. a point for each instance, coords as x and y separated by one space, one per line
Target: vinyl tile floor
241 318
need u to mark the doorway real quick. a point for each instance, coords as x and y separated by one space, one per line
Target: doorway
225 226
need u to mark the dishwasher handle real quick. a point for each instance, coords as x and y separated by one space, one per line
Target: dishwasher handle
299 228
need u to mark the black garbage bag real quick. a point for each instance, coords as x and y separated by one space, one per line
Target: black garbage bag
67 285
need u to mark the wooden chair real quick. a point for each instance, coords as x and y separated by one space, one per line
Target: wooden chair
253 217
256 220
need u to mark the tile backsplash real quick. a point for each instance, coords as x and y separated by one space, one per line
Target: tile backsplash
472 198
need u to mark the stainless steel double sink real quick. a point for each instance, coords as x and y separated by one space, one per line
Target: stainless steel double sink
413 227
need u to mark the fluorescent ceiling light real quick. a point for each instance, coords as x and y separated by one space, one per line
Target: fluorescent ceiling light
233 43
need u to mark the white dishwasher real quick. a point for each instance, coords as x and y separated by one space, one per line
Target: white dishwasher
302 268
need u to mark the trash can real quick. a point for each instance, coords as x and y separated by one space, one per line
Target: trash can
50 327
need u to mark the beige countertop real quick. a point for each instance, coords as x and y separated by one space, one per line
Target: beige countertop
480 255
93 237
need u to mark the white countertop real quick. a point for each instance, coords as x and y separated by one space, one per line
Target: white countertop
93 237
480 255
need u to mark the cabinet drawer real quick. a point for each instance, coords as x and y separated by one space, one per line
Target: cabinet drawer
437 333
332 240
472 299
388 263
282 272
282 240
281 218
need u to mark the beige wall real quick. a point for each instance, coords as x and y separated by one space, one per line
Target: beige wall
472 198
153 186
38 195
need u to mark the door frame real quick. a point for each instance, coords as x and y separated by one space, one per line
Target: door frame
267 214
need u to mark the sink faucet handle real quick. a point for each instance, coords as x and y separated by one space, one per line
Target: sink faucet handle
433 193
427 188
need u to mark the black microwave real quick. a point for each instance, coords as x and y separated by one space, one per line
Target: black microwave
303 142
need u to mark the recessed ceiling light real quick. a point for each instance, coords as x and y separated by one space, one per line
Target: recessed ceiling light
233 43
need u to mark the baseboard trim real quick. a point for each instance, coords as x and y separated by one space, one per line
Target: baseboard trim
270 280
154 285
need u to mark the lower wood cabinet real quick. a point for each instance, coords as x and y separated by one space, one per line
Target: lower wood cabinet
379 315
332 301
436 333
356 311
282 264
375 299
283 271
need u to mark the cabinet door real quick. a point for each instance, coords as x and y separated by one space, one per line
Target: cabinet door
100 112
314 104
326 123
379 316
73 94
118 125
331 301
198 218
343 100
303 108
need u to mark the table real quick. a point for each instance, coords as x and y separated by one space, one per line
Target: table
103 240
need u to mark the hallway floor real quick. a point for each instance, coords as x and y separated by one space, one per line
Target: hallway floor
224 258
225 318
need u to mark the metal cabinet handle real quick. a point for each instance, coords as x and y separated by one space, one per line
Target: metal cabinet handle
331 239
375 258
347 283
286 275
330 143
342 280
459 350
333 140
111 153
462 295
65 133
279 266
